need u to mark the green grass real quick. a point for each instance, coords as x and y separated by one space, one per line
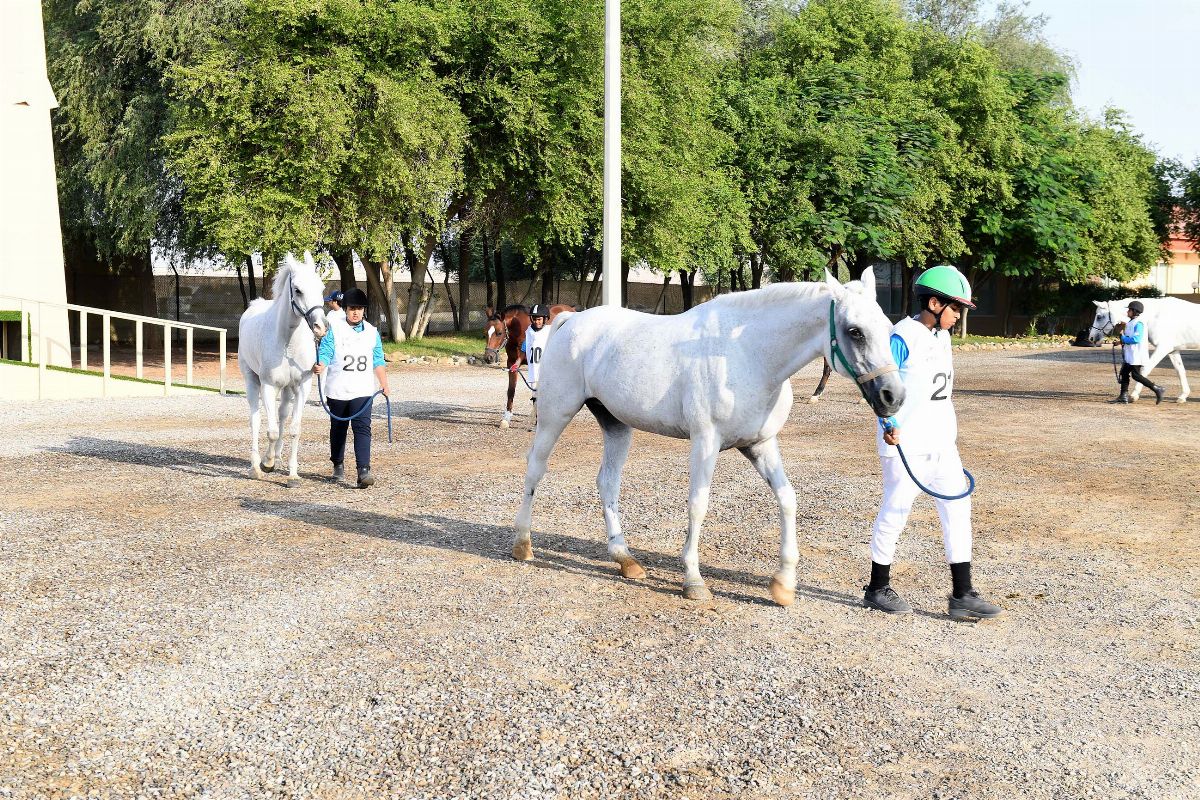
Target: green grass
115 377
972 339
466 343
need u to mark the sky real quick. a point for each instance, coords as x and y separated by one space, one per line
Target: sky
1142 56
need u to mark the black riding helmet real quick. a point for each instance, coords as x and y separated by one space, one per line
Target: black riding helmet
354 298
1136 307
539 311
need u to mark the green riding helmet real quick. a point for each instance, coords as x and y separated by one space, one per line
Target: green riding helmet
945 283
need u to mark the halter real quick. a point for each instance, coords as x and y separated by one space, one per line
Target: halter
495 351
296 306
836 352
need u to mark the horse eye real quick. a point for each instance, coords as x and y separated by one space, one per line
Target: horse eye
856 334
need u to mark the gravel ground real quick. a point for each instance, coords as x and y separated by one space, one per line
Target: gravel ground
170 628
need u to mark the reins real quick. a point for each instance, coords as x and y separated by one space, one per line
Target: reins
836 351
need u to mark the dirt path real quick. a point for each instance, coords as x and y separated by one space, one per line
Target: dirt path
169 628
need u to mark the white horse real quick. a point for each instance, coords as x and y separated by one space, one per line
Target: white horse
276 353
1171 325
717 375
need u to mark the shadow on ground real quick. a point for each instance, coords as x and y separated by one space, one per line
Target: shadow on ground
193 462
552 551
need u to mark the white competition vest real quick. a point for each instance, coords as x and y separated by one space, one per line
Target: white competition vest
535 343
352 373
927 420
1137 354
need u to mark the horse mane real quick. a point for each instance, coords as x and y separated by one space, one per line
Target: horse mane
514 307
281 276
769 295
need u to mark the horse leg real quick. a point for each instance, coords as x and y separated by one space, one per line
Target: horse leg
1184 389
553 424
826 371
286 396
253 393
617 438
300 396
270 397
512 393
701 465
766 459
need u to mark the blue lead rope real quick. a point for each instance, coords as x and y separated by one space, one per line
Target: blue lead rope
367 407
931 492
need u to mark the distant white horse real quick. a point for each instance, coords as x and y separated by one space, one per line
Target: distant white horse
276 353
717 375
1171 325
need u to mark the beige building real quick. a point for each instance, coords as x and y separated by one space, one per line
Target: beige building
1181 275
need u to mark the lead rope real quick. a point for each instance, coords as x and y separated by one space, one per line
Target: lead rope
836 351
367 406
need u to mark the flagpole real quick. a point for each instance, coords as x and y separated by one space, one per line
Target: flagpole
611 286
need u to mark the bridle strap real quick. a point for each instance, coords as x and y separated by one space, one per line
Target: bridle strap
839 356
305 315
875 373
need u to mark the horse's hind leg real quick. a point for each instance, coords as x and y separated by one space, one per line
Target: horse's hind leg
617 438
286 398
1158 355
1184 389
766 459
701 465
253 393
820 390
550 427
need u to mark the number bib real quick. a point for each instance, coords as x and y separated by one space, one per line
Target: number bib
352 373
535 343
927 420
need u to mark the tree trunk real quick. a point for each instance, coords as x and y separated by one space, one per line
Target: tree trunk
242 287
485 257
250 278
660 307
756 270
143 275
381 289
463 319
344 259
624 283
686 287
501 288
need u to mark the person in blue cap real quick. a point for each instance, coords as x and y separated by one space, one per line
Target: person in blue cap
335 299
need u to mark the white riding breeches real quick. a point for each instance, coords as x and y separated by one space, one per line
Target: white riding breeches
941 472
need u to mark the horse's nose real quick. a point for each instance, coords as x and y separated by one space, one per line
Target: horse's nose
887 396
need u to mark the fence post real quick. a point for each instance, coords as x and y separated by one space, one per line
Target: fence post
41 347
166 360
188 352
105 348
137 346
222 361
83 354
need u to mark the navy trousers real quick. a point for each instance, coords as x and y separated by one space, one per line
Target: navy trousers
362 431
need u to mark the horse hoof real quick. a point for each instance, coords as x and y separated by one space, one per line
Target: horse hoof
1180 399
256 473
631 569
781 594
293 483
697 591
814 398
265 467
503 424
523 551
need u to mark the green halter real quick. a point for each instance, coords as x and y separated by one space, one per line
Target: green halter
840 357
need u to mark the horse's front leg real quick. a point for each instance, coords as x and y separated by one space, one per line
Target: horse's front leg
286 397
512 393
701 465
253 397
766 459
294 431
553 424
270 396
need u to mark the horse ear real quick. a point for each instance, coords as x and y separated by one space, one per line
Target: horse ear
832 283
868 281
290 261
1099 303
308 259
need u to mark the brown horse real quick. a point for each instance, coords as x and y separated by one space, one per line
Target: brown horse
507 329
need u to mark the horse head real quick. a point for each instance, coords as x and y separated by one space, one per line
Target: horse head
859 345
497 334
306 292
1108 314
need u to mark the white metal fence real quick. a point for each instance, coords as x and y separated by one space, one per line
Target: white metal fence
34 346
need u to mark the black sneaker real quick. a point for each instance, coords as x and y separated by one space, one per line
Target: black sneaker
365 478
1158 394
886 600
339 472
972 606
1121 398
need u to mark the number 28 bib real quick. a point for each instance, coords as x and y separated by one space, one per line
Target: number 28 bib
352 373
